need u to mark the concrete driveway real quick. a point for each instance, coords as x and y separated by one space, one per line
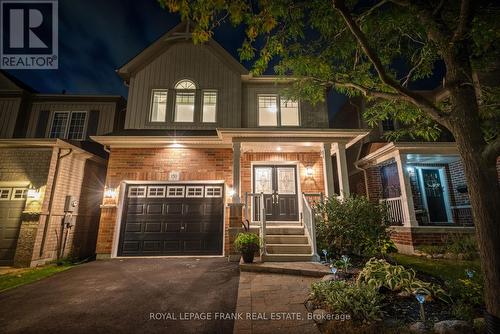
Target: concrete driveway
126 296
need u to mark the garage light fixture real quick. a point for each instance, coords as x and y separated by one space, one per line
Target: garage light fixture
110 193
309 171
33 193
231 192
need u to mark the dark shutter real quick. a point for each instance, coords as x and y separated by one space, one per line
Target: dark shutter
41 125
93 122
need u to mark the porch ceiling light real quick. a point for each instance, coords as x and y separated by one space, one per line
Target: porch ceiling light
309 171
278 148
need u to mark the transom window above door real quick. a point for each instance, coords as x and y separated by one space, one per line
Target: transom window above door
272 113
68 125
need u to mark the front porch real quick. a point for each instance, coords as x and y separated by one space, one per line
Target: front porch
276 176
424 189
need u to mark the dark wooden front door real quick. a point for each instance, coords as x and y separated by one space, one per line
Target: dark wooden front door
434 195
172 219
279 185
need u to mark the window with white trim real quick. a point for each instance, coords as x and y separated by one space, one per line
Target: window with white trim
272 113
5 194
156 192
137 191
158 112
213 191
175 191
209 109
68 125
185 91
19 194
194 191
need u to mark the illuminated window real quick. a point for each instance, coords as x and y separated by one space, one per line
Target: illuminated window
158 105
289 111
286 113
209 106
185 91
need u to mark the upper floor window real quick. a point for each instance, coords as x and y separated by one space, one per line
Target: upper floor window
158 105
185 91
272 113
388 124
68 125
209 107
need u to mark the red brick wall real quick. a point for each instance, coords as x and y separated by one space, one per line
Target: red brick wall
374 183
357 183
148 164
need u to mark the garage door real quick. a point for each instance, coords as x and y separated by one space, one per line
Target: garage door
12 201
172 219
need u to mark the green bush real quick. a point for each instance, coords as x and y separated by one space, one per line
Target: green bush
360 301
380 273
467 295
247 242
463 244
353 225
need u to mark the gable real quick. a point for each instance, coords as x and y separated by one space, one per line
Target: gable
9 83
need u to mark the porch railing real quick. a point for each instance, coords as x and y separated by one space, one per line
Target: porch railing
394 210
253 197
309 222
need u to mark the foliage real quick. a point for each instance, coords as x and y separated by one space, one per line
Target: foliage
353 225
467 294
361 301
463 244
432 249
247 242
344 263
379 273
26 276
313 42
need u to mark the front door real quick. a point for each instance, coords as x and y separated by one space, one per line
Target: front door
278 183
434 195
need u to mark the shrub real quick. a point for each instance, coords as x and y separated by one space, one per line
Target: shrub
247 242
360 301
433 249
353 225
380 273
467 295
463 244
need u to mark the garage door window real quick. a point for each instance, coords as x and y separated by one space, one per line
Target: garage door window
5 194
137 192
19 194
194 191
213 191
156 192
173 191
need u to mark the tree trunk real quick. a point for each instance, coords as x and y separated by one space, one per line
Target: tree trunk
481 175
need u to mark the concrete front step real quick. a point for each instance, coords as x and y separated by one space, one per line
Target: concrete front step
288 258
300 268
288 249
286 239
282 230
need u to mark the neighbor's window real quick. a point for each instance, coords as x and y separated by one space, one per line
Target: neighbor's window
289 111
184 101
158 105
272 114
388 124
68 125
209 106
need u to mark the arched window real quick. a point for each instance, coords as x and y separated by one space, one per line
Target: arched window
185 91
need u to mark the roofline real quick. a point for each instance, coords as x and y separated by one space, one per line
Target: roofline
445 148
76 97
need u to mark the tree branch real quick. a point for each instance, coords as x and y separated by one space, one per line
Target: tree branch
492 150
404 93
463 21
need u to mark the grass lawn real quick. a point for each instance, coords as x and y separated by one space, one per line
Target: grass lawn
444 269
25 276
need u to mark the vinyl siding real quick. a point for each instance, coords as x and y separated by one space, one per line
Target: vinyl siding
106 113
310 116
9 109
184 60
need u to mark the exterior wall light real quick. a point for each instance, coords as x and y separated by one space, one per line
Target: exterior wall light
231 192
309 171
33 193
410 169
109 192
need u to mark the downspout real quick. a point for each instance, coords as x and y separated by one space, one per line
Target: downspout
364 171
51 199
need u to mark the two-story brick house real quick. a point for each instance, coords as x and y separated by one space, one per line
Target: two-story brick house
201 133
46 156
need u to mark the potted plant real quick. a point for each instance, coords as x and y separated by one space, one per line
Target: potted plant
247 244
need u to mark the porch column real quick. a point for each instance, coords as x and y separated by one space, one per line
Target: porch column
326 152
406 193
342 169
236 171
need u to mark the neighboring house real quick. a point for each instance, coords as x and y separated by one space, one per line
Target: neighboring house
422 183
202 133
51 175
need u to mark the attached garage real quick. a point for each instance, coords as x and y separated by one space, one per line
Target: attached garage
12 202
172 219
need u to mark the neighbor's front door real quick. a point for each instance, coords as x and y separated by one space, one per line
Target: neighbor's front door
278 183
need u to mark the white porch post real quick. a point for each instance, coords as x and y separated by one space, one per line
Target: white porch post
236 171
326 153
406 193
342 169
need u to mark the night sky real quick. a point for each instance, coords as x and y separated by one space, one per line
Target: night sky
98 36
